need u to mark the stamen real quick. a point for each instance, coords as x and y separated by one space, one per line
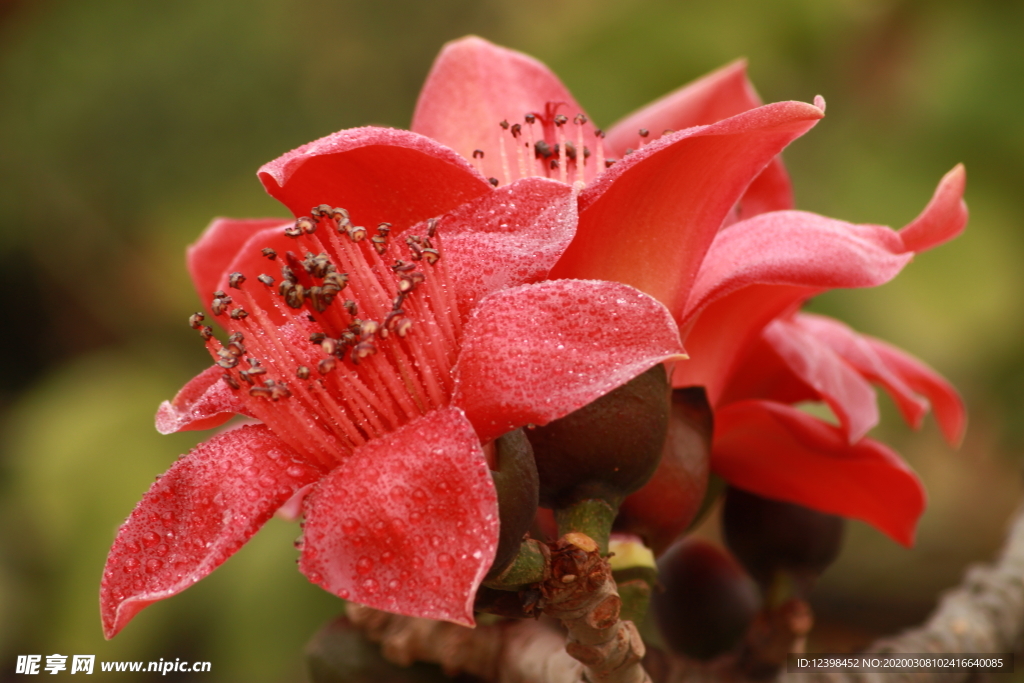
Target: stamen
504 157
601 165
579 120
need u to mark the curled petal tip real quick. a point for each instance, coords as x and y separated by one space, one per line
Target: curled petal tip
819 102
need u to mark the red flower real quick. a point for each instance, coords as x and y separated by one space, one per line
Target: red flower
379 361
701 218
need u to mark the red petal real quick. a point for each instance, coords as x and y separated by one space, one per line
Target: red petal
719 95
409 523
815 363
196 516
649 220
796 248
508 237
209 257
724 332
780 452
709 99
378 174
538 352
857 351
473 86
204 402
945 216
949 407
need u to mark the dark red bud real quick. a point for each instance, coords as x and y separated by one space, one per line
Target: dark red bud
669 503
769 536
515 480
708 600
607 449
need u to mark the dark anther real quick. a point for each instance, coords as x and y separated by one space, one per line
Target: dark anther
586 152
218 305
195 321
235 279
244 375
227 361
329 346
401 266
260 391
293 231
306 225
326 365
362 350
368 329
530 118
322 210
302 372
317 337
517 130
238 314
478 154
579 119
310 317
644 132
316 297
236 337
335 281
318 266
295 295
357 233
667 131
229 380
380 243
288 274
561 120
278 390
432 224
493 181
236 349
598 133
351 307
257 370
629 150
265 279
504 124
219 294
339 214
542 149
396 305
570 150
383 228
402 326
608 163
269 253
553 164
206 332
431 256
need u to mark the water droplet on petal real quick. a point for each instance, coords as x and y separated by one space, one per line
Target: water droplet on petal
296 471
161 550
370 586
364 565
314 577
131 564
150 539
153 565
445 561
350 525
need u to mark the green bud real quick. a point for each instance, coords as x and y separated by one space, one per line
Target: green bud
516 483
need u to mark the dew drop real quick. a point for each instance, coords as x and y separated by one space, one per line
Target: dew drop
150 539
364 565
296 471
252 495
343 594
267 481
350 525
445 561
161 550
131 564
314 577
387 557
370 586
153 565
139 583
393 585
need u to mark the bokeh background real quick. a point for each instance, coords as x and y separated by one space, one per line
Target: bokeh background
125 126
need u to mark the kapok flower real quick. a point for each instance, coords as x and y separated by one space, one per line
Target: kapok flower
687 200
379 362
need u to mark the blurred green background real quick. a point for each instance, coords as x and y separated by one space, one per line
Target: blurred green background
125 126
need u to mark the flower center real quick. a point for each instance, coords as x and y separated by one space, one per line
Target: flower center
345 345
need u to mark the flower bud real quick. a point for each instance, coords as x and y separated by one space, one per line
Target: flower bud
708 602
770 537
669 503
515 480
607 449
